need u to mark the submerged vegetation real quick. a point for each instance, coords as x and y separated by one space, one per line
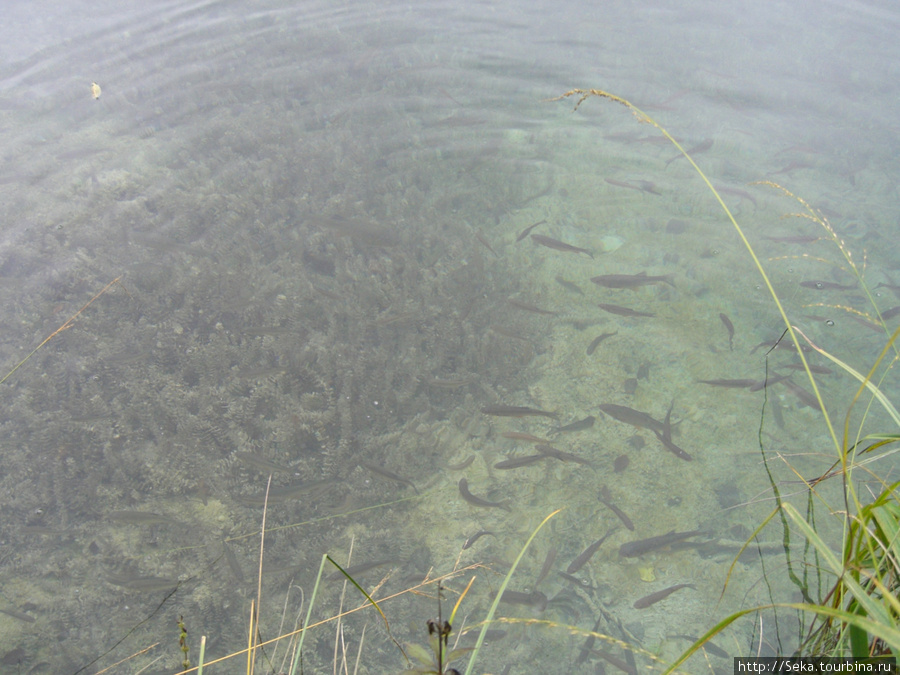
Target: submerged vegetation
423 373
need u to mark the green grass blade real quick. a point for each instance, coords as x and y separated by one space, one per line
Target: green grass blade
312 602
866 381
506 579
202 655
871 607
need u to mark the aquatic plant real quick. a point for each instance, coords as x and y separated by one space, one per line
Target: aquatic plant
859 615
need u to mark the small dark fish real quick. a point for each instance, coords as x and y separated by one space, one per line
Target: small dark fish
518 462
16 614
568 285
696 150
743 194
580 425
635 418
484 242
516 411
528 229
827 286
799 239
671 447
622 311
621 183
463 464
819 370
586 555
632 549
140 518
730 328
233 563
476 501
597 340
653 598
773 379
390 475
624 666
805 397
547 566
528 307
585 650
520 436
557 245
550 451
730 384
535 598
621 463
606 499
889 314
584 583
143 584
631 281
475 537
666 437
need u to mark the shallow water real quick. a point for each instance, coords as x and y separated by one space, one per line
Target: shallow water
287 236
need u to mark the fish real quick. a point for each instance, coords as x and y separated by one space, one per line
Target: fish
547 566
484 242
520 436
143 584
632 281
730 384
587 553
623 311
606 499
535 598
516 411
666 440
743 194
827 286
390 475
653 598
632 549
558 245
518 462
666 436
528 229
528 307
580 425
696 150
635 418
796 239
805 397
730 328
476 501
16 614
568 285
561 455
140 518
462 465
475 537
597 340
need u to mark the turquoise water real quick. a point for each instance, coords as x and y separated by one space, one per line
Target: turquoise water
302 225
